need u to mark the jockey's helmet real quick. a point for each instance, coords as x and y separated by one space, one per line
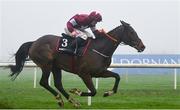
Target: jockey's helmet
95 16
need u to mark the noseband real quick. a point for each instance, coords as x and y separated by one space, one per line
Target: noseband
137 44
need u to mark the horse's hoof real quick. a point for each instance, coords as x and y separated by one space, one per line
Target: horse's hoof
105 94
61 104
77 105
108 93
72 90
76 91
59 100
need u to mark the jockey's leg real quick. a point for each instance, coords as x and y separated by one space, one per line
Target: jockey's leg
81 37
78 43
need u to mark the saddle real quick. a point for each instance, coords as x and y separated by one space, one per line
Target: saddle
65 42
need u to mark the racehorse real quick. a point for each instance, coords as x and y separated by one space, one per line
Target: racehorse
94 62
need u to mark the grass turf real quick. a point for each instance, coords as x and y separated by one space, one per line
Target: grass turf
152 91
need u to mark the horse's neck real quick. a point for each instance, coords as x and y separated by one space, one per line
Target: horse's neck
104 45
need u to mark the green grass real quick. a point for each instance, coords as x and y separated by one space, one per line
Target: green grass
135 91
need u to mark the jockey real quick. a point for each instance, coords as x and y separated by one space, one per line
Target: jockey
77 25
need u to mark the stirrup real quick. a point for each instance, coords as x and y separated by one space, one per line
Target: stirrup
76 53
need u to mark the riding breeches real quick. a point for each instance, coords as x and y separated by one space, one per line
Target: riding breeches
81 33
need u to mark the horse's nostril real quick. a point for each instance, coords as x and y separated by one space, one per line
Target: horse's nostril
144 47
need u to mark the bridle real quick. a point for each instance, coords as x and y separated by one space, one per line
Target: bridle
115 42
109 37
137 45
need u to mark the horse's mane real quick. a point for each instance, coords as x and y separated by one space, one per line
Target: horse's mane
115 30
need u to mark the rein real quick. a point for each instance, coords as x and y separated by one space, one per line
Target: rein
100 53
108 36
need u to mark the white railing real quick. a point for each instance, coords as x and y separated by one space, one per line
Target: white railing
175 66
114 65
145 65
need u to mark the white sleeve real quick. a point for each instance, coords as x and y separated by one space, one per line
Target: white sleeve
73 22
93 28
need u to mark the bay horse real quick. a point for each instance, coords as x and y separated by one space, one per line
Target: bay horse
93 63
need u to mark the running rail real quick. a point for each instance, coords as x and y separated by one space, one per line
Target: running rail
114 65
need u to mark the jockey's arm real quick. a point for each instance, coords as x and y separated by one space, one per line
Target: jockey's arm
71 29
93 29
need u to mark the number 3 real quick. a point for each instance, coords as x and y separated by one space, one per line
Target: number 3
65 43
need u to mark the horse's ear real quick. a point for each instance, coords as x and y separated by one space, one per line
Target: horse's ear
124 23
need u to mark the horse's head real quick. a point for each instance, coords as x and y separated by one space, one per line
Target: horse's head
131 38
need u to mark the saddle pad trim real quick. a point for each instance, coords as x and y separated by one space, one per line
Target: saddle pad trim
57 44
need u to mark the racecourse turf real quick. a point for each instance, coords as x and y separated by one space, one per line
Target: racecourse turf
139 91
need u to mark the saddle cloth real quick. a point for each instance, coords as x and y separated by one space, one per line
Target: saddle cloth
66 41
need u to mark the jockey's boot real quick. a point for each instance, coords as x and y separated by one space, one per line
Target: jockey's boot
75 45
73 48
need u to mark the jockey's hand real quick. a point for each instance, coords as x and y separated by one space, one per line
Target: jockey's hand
93 37
74 34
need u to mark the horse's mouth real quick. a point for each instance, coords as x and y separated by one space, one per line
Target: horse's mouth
141 48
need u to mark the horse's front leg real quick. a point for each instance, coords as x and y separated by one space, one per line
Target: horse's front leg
107 74
87 79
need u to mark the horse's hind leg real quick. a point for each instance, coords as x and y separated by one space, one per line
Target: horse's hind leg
106 74
58 84
45 84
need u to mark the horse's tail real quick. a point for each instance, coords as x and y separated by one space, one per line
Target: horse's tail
20 58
